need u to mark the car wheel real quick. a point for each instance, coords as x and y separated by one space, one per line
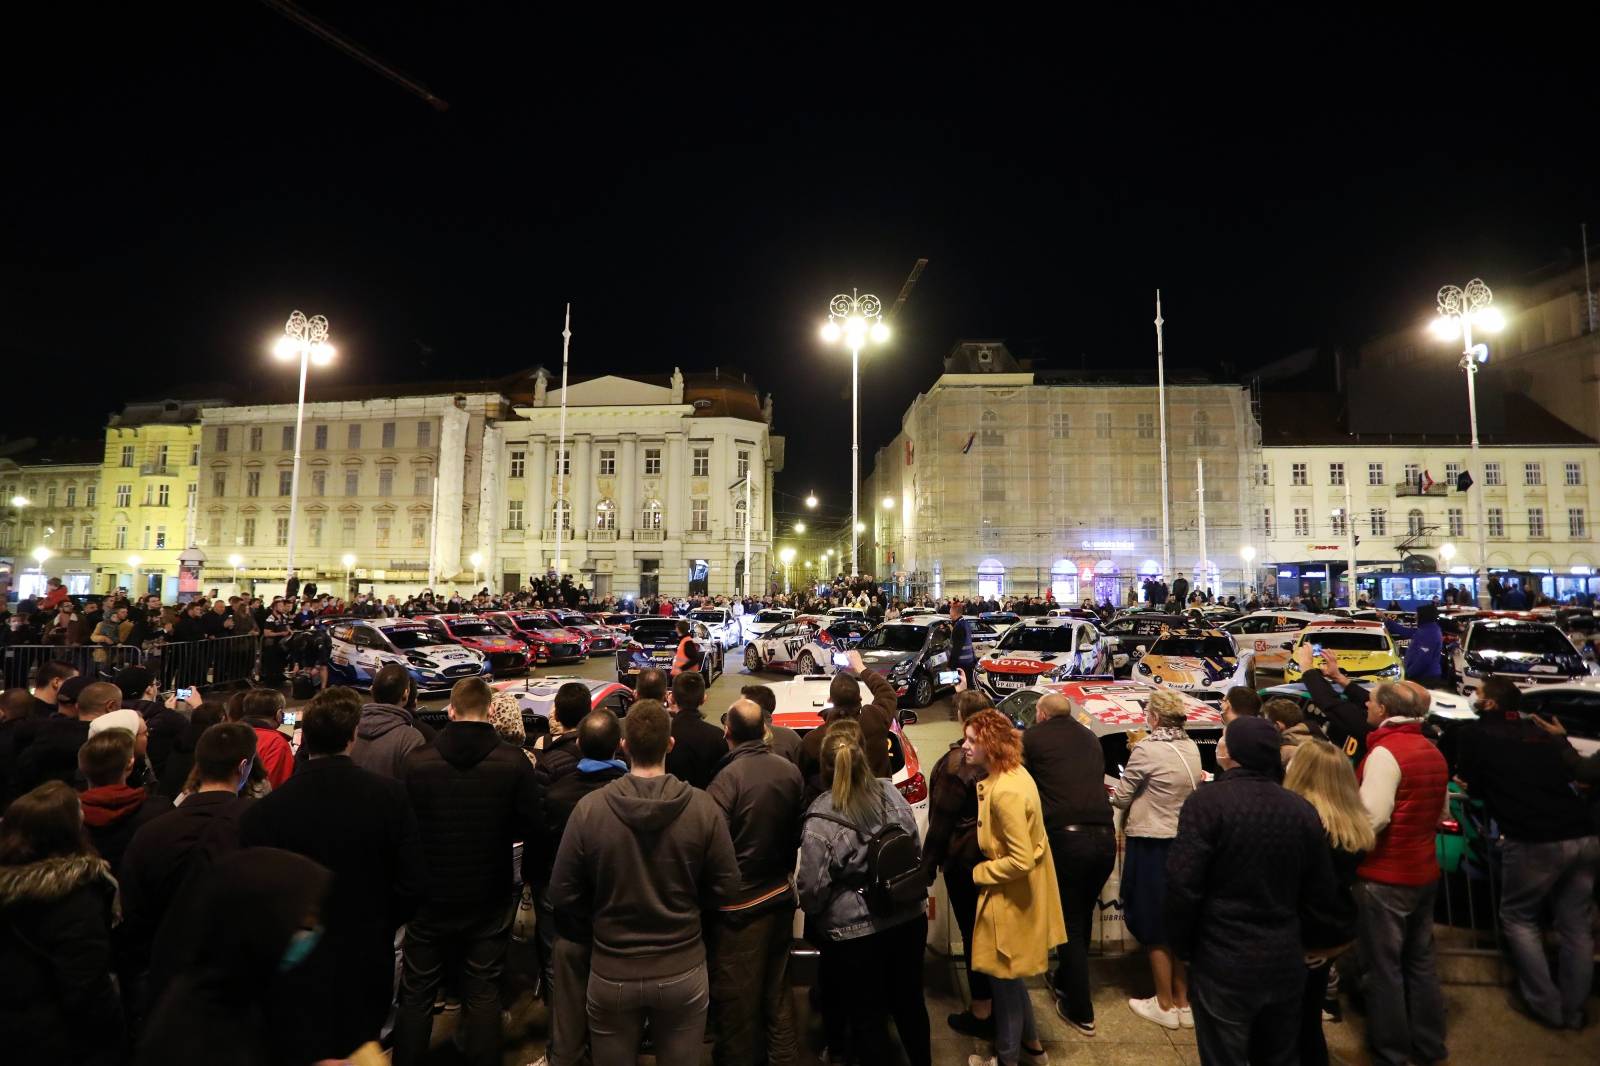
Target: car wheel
806 664
922 690
752 659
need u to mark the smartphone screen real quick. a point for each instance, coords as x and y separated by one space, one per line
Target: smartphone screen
291 718
841 658
1316 649
949 677
183 693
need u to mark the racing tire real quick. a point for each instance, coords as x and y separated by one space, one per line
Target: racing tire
921 693
752 659
805 664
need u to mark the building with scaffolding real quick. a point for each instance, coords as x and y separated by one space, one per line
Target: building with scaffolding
1010 481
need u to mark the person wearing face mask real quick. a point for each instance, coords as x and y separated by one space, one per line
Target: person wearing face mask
166 857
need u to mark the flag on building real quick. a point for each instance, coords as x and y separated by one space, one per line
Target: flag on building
1424 483
967 447
911 450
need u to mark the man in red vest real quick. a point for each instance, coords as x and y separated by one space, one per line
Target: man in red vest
1404 783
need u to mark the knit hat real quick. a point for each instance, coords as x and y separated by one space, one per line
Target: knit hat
1253 743
71 689
505 714
133 681
123 719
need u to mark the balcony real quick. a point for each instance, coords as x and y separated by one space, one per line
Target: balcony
650 536
1438 488
156 470
513 536
603 535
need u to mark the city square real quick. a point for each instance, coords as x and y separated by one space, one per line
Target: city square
938 549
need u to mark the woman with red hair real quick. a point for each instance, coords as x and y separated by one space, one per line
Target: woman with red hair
1019 904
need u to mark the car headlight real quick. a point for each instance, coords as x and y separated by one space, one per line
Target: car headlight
1391 673
1470 672
423 661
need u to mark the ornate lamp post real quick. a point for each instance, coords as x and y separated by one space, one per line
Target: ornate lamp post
855 318
308 339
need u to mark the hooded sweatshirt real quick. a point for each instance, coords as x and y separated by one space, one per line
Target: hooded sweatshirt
643 857
113 813
385 735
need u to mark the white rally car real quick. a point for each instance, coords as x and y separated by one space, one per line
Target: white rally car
362 647
765 620
805 645
721 622
1042 649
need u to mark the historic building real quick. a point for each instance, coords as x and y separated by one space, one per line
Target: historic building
49 497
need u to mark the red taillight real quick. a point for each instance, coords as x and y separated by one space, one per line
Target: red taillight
1450 826
823 637
914 789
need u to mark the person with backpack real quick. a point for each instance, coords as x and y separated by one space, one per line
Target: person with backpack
861 883
1019 903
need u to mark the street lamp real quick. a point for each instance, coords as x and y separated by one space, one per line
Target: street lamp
476 559
20 501
349 562
236 561
40 554
799 527
786 557
811 501
308 339
1248 554
1459 311
134 561
856 318
888 503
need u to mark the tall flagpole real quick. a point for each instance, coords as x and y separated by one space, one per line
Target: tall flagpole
1200 497
561 444
1166 495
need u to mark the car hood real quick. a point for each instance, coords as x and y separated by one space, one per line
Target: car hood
444 653
1520 662
1356 661
886 660
490 642
1187 669
1023 662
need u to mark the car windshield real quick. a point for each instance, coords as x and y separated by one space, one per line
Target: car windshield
773 616
618 619
1194 647
1338 641
410 637
474 629
712 618
536 621
576 620
1037 638
1529 640
654 629
894 638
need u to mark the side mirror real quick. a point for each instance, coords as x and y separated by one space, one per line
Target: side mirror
908 718
1141 649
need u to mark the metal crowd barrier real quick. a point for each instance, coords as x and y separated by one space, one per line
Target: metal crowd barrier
215 662
101 662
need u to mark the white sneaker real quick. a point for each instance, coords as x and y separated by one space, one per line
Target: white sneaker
1186 1017
1150 1010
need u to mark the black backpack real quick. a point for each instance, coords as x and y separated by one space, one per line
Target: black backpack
895 881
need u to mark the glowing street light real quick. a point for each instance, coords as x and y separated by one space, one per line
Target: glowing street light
811 501
306 338
40 554
21 501
888 503
134 561
799 527
786 557
1447 552
349 562
236 561
476 559
861 527
855 319
1460 309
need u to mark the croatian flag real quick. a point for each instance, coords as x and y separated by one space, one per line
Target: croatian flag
1424 482
967 447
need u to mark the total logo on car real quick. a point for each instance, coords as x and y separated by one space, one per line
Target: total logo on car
506 655
1042 648
547 639
360 648
1203 662
1364 650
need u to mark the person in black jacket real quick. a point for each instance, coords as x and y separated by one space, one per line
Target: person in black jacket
474 796
1068 765
166 722
1345 714
360 826
57 1000
1249 859
697 745
113 811
556 754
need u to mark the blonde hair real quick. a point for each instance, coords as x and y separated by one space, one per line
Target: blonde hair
1169 709
1323 776
845 772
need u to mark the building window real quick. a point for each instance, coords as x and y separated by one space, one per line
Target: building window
608 462
652 462
1336 523
1577 528
650 517
192 494
252 483
90 494
1413 471
1574 476
1497 522
219 483
1144 482
1060 425
605 515
352 483
127 455
216 533
50 497
424 434
149 494
120 540
163 494
88 534
1297 473
1536 523
514 514
564 462
1455 522
255 438
1202 429
519 461
347 532
992 437
1491 474
386 482
288 438
649 578
161 455
699 513
72 495
1147 527
1414 522
222 438
738 517
1264 475
314 524
1266 521
1336 474
1380 522
281 536
1374 473
1102 425
285 482
420 486
561 515
319 439
319 482
383 530
124 495
1145 426
194 455
419 529
994 485
702 463
1302 522
248 533
388 435
1533 473
161 537
743 465
354 437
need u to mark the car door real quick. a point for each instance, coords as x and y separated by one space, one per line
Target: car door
936 652
369 649
1088 650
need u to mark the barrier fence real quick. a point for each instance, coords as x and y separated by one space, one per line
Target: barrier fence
219 662
18 662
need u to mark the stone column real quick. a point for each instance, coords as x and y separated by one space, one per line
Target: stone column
676 456
627 483
535 476
581 491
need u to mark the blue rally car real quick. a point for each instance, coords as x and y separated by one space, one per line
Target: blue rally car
361 647
654 641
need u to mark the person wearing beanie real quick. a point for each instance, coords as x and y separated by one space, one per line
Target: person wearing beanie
140 692
1249 885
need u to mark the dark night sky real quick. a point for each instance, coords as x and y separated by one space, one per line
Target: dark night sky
178 182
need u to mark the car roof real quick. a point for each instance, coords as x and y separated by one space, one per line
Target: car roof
1306 616
1345 625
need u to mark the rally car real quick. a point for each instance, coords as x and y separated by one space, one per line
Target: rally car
1529 653
548 640
654 642
1000 621
1205 663
1130 636
617 622
507 655
536 697
764 621
597 638
914 655
806 645
361 647
724 627
1270 635
1041 649
1365 649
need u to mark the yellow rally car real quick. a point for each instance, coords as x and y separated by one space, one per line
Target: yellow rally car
1205 663
1365 650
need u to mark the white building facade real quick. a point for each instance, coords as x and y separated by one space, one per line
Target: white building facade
48 505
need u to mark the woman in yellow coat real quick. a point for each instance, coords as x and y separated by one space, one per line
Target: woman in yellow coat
1019 904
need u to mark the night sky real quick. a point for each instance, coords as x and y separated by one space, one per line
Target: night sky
179 180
